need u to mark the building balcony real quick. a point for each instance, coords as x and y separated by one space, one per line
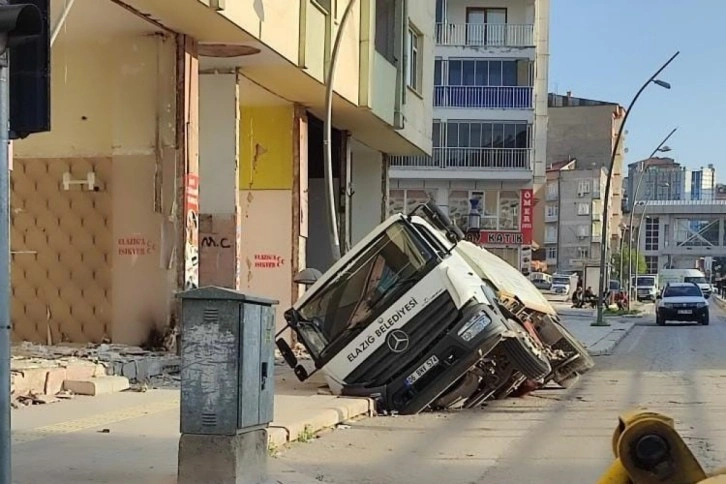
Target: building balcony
485 97
485 35
467 159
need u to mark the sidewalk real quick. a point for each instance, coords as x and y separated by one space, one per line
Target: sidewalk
132 437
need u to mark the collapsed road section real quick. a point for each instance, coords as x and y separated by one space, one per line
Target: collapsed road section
413 320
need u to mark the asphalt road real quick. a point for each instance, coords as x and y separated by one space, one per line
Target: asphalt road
551 436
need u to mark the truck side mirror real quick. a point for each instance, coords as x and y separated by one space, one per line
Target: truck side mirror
286 352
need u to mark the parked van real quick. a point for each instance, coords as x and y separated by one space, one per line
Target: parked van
686 275
541 280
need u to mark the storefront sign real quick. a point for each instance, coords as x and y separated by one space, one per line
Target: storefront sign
268 261
526 211
501 238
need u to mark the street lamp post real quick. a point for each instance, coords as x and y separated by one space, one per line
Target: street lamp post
604 236
661 148
637 243
330 198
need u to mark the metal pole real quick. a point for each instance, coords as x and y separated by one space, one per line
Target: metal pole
604 236
5 328
632 209
330 199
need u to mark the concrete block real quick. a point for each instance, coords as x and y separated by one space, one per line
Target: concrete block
29 380
54 380
80 371
222 459
97 386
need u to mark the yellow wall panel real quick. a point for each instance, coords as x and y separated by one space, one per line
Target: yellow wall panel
266 147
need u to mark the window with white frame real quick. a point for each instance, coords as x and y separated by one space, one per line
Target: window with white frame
552 210
596 188
583 230
583 209
401 200
551 253
413 71
596 229
552 191
551 234
583 252
583 187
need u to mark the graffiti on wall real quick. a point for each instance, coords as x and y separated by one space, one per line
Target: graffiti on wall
268 261
191 245
135 245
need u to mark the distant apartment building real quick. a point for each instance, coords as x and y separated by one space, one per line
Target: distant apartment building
490 121
572 216
666 179
586 130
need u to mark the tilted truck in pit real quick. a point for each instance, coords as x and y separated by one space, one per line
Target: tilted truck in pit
402 317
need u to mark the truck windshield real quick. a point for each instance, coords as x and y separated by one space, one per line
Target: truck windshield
645 281
363 289
697 279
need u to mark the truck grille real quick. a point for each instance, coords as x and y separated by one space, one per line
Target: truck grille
424 331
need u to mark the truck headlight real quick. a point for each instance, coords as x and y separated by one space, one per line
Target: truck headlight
701 305
475 326
668 305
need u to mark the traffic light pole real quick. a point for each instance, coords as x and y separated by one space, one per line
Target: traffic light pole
5 404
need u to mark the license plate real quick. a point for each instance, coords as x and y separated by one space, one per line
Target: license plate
422 370
685 311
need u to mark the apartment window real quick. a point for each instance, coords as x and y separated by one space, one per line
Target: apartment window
440 11
551 253
484 73
552 191
583 187
583 230
651 233
651 261
414 71
509 210
552 210
476 134
405 200
385 42
583 209
583 252
438 72
551 234
437 134
486 26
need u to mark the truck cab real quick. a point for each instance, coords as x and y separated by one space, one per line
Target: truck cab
399 318
646 287
686 275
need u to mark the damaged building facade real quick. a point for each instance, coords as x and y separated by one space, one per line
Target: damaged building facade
187 149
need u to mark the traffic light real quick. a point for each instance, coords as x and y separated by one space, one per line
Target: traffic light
24 34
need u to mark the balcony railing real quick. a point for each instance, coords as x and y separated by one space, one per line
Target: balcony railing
468 158
488 97
485 35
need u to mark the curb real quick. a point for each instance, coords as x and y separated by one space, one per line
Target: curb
612 342
343 410
719 302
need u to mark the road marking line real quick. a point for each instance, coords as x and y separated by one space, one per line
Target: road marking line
115 416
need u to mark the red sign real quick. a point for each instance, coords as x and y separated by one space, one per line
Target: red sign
501 238
526 212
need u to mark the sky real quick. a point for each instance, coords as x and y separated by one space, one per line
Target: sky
607 49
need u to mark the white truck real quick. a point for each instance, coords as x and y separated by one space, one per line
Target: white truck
686 275
404 319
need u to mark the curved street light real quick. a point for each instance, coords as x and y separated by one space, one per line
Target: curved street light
661 148
604 235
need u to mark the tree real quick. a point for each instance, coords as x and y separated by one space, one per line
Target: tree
626 256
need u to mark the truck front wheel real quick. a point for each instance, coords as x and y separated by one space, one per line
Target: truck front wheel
527 356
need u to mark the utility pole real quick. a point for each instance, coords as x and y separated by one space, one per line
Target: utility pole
19 23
